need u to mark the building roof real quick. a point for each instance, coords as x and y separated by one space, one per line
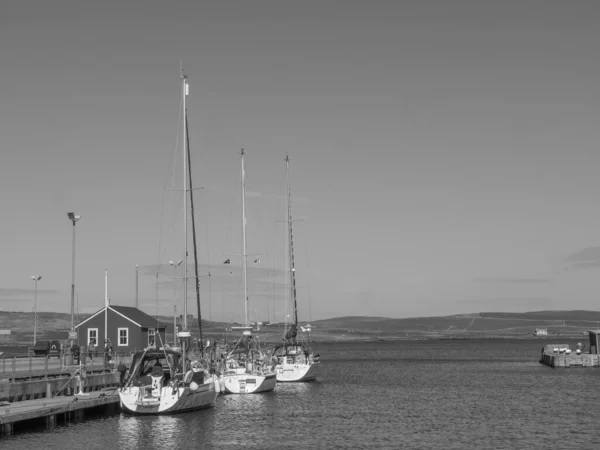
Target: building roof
137 316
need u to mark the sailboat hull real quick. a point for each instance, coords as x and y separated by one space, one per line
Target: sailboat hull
289 373
247 383
168 401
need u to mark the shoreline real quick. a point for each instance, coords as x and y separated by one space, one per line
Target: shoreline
391 338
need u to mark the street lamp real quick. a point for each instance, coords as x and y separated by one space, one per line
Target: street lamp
35 278
73 218
174 265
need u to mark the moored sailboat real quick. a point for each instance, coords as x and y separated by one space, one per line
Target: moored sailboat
161 380
247 371
296 360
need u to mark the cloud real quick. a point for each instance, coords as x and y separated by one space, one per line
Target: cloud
585 255
585 265
516 280
587 258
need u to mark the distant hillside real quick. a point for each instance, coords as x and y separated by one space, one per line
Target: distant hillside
481 325
486 324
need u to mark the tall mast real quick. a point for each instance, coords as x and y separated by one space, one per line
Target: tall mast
291 240
184 87
242 153
185 191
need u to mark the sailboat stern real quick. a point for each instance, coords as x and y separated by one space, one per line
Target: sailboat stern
144 400
297 372
247 383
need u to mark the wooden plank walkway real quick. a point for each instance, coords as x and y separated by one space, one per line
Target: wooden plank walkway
12 413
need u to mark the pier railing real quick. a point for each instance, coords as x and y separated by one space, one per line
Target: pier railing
27 366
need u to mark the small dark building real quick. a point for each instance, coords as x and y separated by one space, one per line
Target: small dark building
594 341
127 328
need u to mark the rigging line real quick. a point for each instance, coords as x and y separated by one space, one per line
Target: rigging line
273 264
308 275
162 209
197 279
206 222
229 223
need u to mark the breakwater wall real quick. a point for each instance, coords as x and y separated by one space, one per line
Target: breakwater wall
560 355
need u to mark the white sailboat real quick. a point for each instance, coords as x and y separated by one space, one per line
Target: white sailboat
161 380
296 360
247 370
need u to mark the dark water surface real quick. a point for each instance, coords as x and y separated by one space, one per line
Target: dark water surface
455 394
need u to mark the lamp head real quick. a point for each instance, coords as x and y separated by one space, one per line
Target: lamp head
73 217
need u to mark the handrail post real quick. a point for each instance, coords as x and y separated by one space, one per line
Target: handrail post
46 367
30 362
14 368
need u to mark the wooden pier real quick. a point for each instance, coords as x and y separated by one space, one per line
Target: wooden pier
39 394
48 412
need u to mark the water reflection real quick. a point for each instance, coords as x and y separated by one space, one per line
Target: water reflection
462 395
165 431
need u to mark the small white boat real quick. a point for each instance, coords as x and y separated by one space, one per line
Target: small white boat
295 359
246 369
161 380
157 385
296 362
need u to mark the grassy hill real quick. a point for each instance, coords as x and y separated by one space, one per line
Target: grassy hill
481 325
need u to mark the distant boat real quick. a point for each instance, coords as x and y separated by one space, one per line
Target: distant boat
296 360
161 380
247 368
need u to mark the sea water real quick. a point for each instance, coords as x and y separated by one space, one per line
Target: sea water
435 394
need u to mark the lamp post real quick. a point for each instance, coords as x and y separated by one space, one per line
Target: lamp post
35 278
137 274
73 218
174 265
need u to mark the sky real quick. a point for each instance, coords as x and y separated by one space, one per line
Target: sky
443 154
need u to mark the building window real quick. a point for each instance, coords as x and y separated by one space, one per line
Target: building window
123 336
92 333
151 335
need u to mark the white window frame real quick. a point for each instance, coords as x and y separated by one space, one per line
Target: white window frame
119 337
89 336
152 336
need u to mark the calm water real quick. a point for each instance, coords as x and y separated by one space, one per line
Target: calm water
406 394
